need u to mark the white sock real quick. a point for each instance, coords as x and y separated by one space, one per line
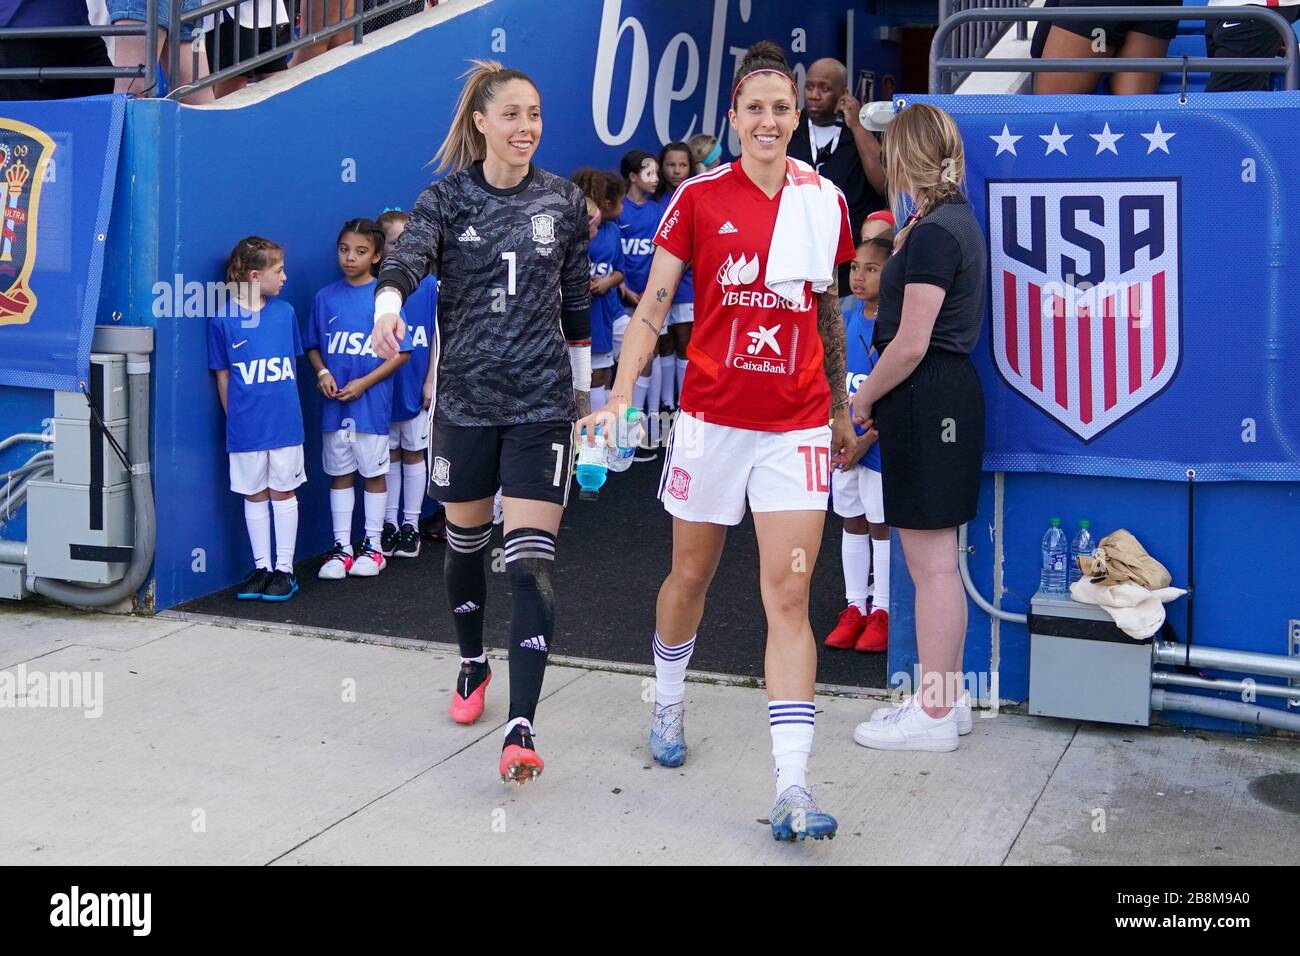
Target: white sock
656 385
680 369
342 501
670 671
640 389
286 532
520 722
880 568
792 723
394 492
413 490
374 505
667 381
855 555
258 518
474 660
599 397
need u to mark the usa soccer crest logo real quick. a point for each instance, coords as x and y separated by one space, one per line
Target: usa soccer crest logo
1086 293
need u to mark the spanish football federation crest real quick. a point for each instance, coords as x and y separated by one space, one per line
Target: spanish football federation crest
543 229
1086 289
25 152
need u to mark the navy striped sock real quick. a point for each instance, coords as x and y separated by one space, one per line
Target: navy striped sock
670 671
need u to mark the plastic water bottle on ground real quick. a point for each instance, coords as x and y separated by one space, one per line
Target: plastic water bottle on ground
1082 545
1052 578
592 466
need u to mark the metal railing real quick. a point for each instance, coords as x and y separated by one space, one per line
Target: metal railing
974 39
943 67
355 24
178 20
148 29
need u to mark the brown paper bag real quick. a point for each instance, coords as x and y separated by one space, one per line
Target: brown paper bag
1121 559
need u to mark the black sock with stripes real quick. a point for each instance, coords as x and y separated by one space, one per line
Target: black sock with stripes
530 555
466 580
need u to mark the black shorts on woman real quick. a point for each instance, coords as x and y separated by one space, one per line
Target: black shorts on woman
931 425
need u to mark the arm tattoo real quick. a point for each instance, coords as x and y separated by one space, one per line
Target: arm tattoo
583 400
661 294
830 323
653 328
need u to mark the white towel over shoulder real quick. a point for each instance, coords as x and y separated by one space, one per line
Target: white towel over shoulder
807 233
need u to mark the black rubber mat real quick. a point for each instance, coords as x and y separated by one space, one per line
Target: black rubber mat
612 556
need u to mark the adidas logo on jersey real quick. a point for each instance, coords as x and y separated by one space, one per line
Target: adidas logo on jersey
537 643
727 229
265 370
469 607
469 235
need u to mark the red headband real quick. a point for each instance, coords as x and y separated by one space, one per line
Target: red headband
765 69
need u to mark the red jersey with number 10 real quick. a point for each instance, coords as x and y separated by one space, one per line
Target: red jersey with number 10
755 358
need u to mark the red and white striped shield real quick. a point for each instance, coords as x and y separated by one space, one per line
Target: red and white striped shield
1086 291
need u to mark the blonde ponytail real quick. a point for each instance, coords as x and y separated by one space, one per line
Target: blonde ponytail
464 144
924 159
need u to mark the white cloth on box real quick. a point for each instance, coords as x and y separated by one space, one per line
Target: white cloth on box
806 237
1137 611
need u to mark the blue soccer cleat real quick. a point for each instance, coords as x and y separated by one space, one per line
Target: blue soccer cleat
668 735
796 816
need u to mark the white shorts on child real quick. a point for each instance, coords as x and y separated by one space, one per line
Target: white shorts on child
618 329
711 470
412 434
344 452
680 313
280 469
602 360
858 492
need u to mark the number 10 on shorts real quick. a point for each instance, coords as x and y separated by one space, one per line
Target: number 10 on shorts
817 466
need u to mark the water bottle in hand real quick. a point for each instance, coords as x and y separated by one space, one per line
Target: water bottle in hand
1082 546
1052 578
627 437
592 466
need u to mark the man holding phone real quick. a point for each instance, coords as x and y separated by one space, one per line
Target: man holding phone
832 139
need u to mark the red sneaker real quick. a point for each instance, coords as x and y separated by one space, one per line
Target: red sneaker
519 765
848 629
467 710
875 636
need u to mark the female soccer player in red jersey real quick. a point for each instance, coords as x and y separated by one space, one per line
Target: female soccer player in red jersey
766 373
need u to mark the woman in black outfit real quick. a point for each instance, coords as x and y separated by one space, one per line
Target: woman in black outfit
927 405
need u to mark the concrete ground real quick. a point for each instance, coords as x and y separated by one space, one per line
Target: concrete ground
232 745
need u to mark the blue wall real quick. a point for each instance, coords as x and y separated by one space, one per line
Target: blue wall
195 180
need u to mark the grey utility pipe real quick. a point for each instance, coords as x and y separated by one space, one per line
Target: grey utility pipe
25 436
1225 710
77 595
1225 685
974 593
1221 659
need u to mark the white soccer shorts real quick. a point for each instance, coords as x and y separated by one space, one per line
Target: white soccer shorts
858 492
711 470
280 469
344 452
412 434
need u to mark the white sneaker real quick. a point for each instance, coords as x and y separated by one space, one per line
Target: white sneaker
369 562
909 728
961 709
337 564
